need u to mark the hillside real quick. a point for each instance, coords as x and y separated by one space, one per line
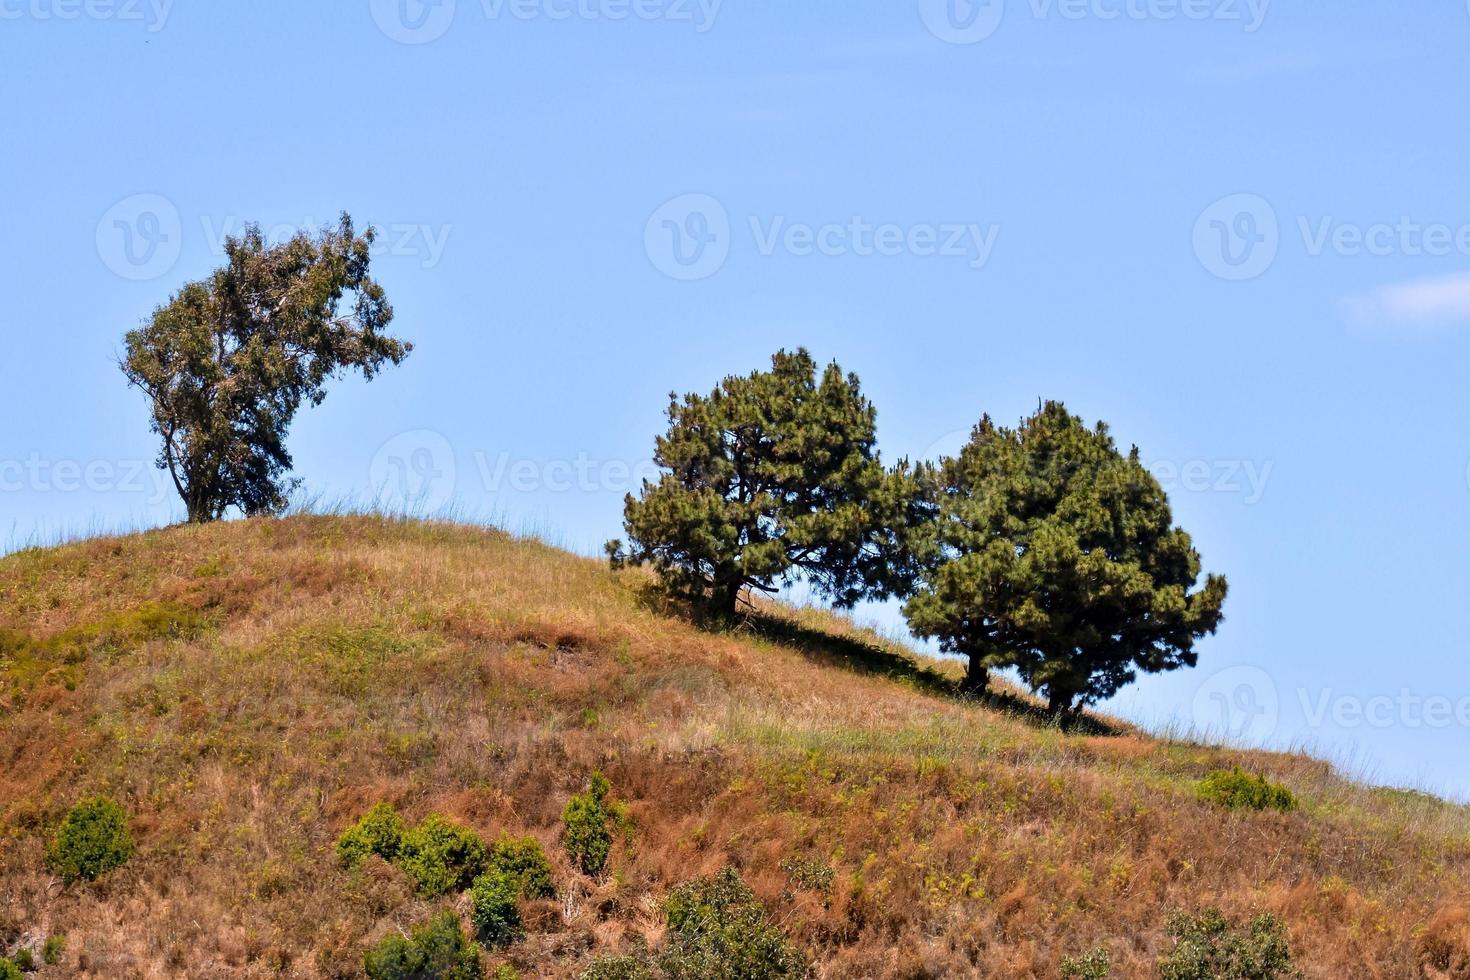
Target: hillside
248 690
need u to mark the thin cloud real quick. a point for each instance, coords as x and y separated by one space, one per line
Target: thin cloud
1298 62
915 43
1252 71
1422 303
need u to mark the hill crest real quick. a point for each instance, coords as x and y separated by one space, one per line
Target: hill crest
247 690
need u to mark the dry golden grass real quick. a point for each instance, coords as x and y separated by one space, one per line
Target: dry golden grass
322 664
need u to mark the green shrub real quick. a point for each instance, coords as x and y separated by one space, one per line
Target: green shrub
524 860
93 839
25 960
1095 964
494 911
811 875
719 931
51 952
1236 790
619 968
505 972
1206 948
379 832
9 971
588 839
442 856
437 951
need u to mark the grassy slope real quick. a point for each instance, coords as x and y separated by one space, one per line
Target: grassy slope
329 663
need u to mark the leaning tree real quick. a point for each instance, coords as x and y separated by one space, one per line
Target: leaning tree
771 477
227 361
1051 552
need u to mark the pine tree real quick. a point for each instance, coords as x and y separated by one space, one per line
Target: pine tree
770 477
1051 552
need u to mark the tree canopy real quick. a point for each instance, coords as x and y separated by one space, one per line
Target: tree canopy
228 361
1051 552
771 476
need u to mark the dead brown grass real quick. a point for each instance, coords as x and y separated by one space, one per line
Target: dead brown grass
337 662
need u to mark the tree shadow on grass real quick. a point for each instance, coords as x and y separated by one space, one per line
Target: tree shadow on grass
863 657
850 653
860 656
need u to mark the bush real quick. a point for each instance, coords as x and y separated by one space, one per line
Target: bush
25 960
51 952
93 839
719 931
811 875
442 857
379 832
9 971
618 968
1206 948
1235 789
437 951
1095 964
495 913
588 839
524 860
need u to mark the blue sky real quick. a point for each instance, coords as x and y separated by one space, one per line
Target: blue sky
1236 231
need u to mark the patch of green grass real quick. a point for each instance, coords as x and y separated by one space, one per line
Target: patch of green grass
353 658
940 739
26 661
1408 798
211 567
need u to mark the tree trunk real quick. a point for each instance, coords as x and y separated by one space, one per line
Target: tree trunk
977 677
197 513
1060 703
725 599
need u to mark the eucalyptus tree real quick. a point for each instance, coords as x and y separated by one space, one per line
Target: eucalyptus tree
227 361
